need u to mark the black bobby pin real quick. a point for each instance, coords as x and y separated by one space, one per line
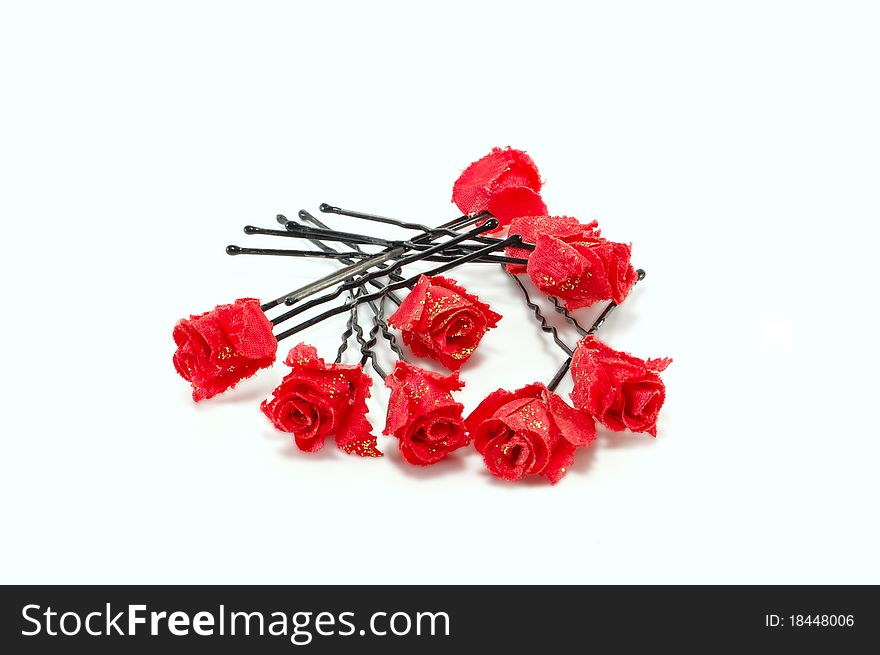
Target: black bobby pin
240 250
330 209
393 253
418 256
302 232
334 278
408 282
352 283
447 256
306 216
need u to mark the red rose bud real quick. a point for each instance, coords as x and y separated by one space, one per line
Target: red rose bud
422 414
620 391
439 319
485 186
316 400
582 273
218 349
531 431
565 228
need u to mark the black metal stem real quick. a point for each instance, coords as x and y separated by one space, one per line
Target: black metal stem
349 330
560 374
562 309
334 278
545 327
379 318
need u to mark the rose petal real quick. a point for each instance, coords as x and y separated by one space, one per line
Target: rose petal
560 461
354 434
512 202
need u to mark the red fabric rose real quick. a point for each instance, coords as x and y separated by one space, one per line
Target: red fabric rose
422 414
582 273
565 228
316 400
486 185
531 431
218 349
620 391
439 319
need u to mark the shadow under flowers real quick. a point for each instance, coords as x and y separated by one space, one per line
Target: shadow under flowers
451 464
247 391
606 438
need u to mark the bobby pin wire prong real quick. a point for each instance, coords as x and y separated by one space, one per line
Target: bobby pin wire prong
346 334
557 378
379 317
408 282
368 352
562 309
545 327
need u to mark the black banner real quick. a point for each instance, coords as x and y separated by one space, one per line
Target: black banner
114 619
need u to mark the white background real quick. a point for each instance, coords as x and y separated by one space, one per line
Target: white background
735 144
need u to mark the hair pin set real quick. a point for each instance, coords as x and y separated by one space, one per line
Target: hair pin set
530 431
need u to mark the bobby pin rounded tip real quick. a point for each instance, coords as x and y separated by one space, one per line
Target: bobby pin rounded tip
328 209
251 229
233 250
281 218
640 272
